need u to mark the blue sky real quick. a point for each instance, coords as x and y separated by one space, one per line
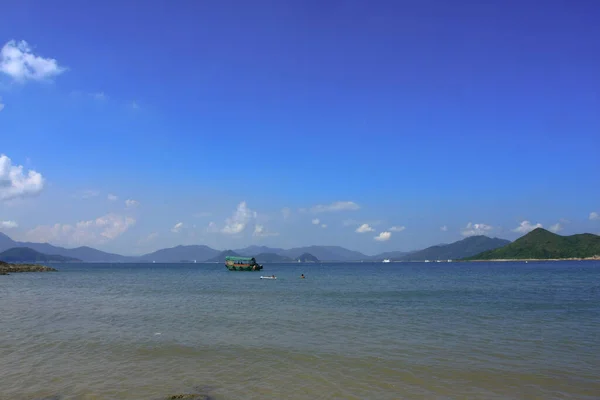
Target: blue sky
229 123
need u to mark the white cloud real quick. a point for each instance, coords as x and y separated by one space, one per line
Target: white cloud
112 197
316 221
18 61
239 220
397 228
336 206
476 229
130 203
92 232
556 227
526 227
261 231
177 227
594 216
444 228
323 226
364 228
8 224
383 236
286 213
1 104
14 183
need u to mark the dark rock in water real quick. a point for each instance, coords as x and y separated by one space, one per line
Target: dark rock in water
191 396
6 268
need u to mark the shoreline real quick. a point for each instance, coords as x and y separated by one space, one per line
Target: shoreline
595 258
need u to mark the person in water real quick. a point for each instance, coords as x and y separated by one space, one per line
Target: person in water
302 276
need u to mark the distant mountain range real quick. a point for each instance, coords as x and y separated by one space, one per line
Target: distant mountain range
201 253
84 253
542 244
25 254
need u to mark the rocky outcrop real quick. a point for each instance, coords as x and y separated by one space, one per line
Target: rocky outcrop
6 268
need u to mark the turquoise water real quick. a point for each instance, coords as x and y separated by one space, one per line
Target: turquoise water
354 331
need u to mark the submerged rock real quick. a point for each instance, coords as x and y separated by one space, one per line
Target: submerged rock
6 268
190 396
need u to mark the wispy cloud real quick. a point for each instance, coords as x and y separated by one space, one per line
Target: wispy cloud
397 228
444 228
147 239
336 206
8 225
324 226
556 227
100 96
177 227
131 203
476 229
112 197
18 61
88 194
526 226
383 236
15 183
261 231
594 216
1 104
91 232
316 221
364 228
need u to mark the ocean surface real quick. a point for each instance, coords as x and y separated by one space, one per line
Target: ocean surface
347 331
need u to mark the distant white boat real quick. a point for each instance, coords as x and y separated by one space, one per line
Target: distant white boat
387 260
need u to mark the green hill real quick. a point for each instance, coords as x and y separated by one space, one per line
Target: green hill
25 254
542 244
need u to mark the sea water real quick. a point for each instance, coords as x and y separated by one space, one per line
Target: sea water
347 331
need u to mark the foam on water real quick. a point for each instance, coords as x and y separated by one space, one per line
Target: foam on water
356 331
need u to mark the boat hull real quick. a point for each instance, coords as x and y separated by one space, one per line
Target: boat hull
244 267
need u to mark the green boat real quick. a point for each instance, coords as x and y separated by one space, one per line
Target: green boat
242 264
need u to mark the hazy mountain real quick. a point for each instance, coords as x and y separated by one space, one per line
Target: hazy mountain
391 255
457 250
271 258
542 244
25 254
326 253
83 253
200 253
6 242
251 251
220 258
307 257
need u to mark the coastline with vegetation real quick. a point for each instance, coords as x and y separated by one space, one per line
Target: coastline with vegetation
543 245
